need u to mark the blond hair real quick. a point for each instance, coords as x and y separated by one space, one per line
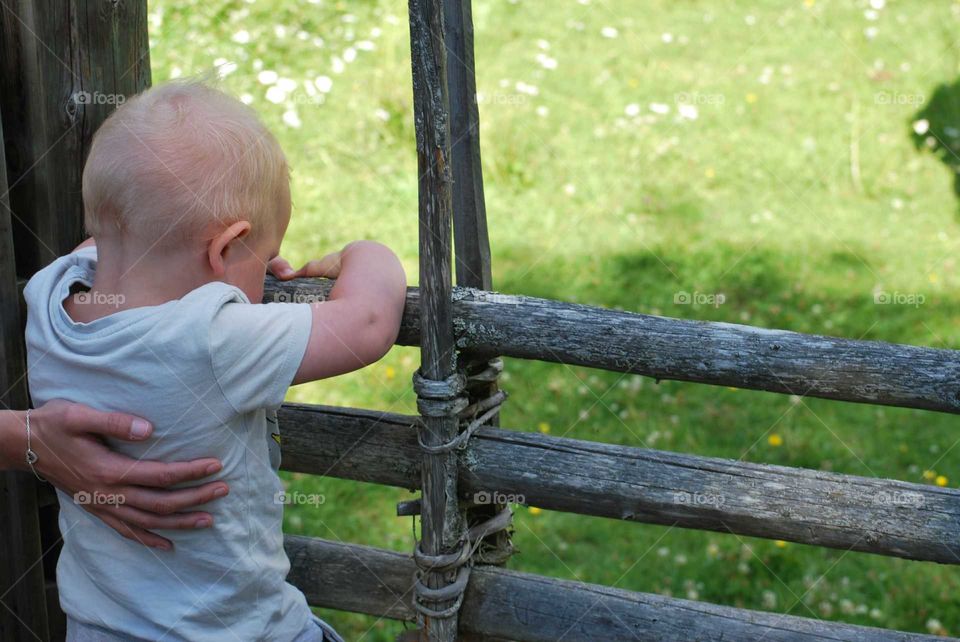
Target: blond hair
178 157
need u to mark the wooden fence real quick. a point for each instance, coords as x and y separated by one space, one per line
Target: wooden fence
455 585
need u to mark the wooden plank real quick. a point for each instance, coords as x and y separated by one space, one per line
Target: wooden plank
533 608
722 354
23 603
441 519
471 241
64 66
469 208
865 514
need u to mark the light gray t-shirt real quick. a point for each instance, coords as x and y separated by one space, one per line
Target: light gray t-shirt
208 370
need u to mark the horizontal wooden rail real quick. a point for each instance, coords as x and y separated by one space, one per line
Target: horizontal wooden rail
508 604
882 516
700 351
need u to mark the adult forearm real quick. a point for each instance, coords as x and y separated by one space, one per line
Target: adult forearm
13 440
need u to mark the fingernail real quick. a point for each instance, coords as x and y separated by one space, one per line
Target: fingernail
220 492
164 546
203 522
139 429
213 468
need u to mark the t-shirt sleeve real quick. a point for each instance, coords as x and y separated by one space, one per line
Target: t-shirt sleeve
256 350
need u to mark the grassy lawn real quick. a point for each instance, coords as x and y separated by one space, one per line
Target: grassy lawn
793 156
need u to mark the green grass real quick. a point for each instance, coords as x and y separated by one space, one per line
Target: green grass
801 190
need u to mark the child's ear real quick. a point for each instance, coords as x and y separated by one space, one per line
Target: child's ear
220 245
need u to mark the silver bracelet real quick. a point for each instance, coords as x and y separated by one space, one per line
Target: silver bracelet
31 455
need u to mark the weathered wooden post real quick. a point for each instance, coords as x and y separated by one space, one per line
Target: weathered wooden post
437 382
24 612
471 241
64 67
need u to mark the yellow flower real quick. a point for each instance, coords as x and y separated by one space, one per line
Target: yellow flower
932 277
809 3
929 475
941 480
710 173
391 372
780 543
535 511
751 98
775 440
543 427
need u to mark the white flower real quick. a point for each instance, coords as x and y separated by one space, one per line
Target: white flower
667 38
609 32
878 4
688 111
633 109
323 83
659 108
276 95
921 126
546 61
267 77
349 54
543 111
246 99
870 33
366 45
291 118
280 31
242 37
337 65
382 114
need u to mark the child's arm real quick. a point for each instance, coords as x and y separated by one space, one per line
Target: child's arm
360 320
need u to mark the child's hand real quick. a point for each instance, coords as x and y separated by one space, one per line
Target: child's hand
328 267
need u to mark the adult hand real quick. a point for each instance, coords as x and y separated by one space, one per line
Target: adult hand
71 455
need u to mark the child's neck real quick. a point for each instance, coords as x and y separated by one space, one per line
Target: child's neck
128 278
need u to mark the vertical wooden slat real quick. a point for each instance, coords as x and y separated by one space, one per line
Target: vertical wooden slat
23 611
469 208
440 517
471 240
64 67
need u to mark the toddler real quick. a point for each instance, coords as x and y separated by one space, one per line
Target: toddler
186 197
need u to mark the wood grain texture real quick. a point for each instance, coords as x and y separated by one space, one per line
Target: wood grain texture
441 518
65 65
847 512
723 354
23 613
471 241
64 68
502 603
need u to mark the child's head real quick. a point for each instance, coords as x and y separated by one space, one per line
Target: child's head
183 166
